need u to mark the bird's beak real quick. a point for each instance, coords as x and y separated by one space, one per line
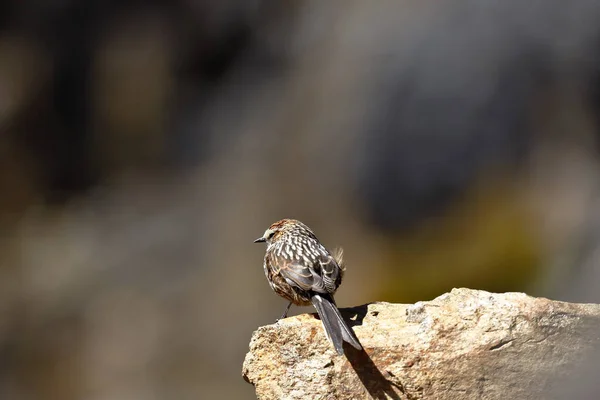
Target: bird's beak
260 240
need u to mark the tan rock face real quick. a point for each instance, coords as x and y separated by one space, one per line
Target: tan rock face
465 344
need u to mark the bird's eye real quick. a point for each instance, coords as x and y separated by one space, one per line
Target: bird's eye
270 234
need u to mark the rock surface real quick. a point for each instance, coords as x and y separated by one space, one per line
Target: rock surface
465 344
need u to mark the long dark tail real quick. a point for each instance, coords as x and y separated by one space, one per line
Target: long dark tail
335 327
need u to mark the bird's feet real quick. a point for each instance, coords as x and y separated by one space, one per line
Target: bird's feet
285 313
284 316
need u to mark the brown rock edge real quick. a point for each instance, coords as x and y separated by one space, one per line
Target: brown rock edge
466 344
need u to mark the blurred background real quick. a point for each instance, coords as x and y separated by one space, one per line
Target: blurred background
144 145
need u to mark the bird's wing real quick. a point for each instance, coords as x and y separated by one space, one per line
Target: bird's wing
320 276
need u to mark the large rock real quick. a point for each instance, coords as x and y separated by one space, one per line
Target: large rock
465 344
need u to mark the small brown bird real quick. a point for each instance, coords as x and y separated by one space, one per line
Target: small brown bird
301 270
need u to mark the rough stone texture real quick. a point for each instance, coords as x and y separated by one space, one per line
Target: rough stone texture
465 344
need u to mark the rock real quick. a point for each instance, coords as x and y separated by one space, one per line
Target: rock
466 344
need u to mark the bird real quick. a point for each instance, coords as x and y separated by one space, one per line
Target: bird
301 270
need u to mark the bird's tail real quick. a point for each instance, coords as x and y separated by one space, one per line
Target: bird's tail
336 328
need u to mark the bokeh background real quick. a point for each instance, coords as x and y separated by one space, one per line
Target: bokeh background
144 145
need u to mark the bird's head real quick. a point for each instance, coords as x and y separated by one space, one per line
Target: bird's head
281 228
